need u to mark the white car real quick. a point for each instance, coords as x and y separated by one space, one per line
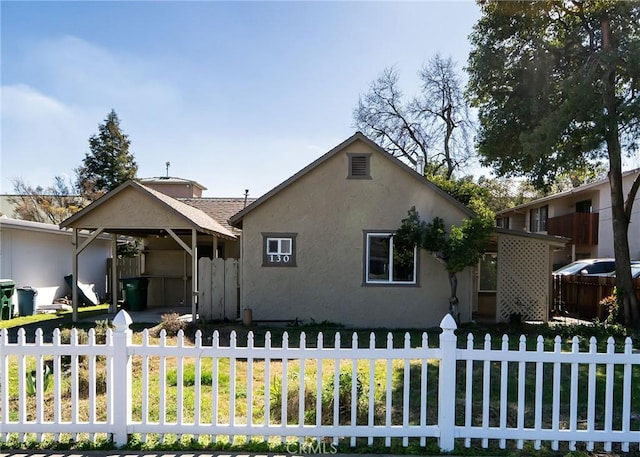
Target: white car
588 267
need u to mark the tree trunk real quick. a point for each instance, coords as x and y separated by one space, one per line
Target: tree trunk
620 222
453 299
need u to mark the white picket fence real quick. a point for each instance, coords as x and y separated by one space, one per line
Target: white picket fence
226 391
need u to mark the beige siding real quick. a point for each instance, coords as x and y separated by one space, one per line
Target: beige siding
330 213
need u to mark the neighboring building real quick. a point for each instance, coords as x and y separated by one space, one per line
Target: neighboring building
319 247
174 187
582 214
39 255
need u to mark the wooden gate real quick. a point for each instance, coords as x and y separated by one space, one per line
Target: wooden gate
218 289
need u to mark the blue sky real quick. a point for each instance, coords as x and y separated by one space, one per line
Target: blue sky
236 95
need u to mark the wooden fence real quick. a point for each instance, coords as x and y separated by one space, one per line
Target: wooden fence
354 392
581 295
219 289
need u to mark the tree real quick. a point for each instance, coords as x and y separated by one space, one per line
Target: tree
434 126
457 249
556 85
51 205
109 162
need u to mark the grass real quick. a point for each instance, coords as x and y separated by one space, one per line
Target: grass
61 317
261 396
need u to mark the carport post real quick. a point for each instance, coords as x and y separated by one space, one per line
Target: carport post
194 273
113 307
77 249
74 277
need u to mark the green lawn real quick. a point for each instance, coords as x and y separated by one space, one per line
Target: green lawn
60 317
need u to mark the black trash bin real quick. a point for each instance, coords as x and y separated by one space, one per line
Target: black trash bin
26 300
135 293
7 287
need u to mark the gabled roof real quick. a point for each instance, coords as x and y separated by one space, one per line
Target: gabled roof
575 191
220 209
236 220
193 216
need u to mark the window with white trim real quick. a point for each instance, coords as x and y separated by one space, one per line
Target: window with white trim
387 263
279 250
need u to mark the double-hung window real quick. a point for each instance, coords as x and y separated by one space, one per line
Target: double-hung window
388 263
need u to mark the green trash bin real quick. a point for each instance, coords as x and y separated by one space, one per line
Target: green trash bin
26 300
135 293
7 287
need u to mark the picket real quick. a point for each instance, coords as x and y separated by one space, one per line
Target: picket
501 395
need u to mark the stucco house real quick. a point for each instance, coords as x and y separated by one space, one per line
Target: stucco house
582 214
319 247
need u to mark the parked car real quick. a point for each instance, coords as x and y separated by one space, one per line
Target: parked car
635 270
588 267
595 267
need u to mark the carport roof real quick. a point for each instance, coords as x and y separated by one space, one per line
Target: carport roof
192 217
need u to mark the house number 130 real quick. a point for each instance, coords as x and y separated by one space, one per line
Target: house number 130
277 258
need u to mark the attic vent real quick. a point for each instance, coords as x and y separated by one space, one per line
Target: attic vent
359 166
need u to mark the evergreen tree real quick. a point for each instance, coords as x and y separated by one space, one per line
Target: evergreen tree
109 162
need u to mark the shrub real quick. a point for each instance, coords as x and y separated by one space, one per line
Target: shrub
100 329
172 323
344 394
611 306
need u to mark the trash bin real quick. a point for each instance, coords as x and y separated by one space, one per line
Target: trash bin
7 287
135 293
26 300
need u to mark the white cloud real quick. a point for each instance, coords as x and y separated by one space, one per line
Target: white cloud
41 137
45 129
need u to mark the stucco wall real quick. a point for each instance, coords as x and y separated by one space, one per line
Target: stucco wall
40 256
330 213
176 190
132 209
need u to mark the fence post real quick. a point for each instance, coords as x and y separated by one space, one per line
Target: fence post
447 384
121 380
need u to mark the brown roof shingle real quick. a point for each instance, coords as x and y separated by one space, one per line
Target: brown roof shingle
219 208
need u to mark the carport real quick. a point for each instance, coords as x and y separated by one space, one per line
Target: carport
134 210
